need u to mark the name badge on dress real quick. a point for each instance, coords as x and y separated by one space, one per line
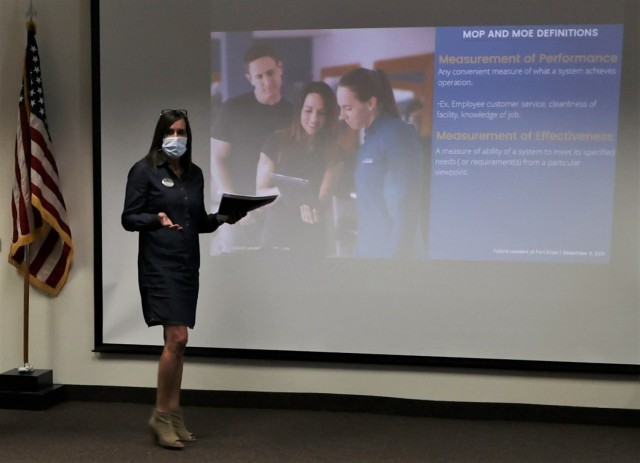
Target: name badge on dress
167 182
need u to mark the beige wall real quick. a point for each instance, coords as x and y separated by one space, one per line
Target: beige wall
61 328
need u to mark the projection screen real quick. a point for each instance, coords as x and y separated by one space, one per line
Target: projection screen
524 207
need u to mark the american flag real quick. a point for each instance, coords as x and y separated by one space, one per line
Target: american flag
41 232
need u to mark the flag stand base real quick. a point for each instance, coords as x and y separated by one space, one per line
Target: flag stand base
29 391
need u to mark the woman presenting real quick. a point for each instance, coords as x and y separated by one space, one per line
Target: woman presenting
388 175
164 202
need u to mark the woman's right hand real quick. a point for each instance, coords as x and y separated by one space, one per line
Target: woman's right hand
166 222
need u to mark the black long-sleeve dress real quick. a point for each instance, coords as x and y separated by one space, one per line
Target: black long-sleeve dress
168 260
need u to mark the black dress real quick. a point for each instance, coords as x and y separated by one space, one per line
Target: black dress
168 260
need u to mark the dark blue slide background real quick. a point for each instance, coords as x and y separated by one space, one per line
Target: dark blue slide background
544 190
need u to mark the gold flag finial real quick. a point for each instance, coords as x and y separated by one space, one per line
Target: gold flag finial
31 14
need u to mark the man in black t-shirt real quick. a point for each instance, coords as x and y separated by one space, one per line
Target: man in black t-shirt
242 125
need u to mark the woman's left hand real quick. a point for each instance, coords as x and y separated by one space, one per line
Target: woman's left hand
231 218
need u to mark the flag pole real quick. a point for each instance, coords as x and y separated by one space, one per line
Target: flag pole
26 369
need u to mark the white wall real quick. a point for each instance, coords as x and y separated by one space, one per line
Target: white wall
61 328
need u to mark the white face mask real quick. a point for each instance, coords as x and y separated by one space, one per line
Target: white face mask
174 147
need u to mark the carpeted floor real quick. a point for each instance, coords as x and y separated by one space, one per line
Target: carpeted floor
117 432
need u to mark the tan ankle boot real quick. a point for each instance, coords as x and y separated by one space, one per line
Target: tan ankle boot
177 419
163 431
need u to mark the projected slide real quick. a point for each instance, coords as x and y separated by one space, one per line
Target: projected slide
524 143
519 144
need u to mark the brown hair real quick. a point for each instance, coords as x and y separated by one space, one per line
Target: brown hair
368 83
260 50
326 139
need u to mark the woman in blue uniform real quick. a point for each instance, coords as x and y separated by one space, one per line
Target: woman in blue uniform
164 202
389 173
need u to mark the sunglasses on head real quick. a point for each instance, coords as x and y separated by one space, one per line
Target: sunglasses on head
182 112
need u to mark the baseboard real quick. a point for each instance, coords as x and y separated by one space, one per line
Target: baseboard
367 404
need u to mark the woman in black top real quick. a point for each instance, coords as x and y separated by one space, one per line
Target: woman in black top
301 164
164 201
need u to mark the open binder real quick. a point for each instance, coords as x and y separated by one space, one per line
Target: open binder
241 204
